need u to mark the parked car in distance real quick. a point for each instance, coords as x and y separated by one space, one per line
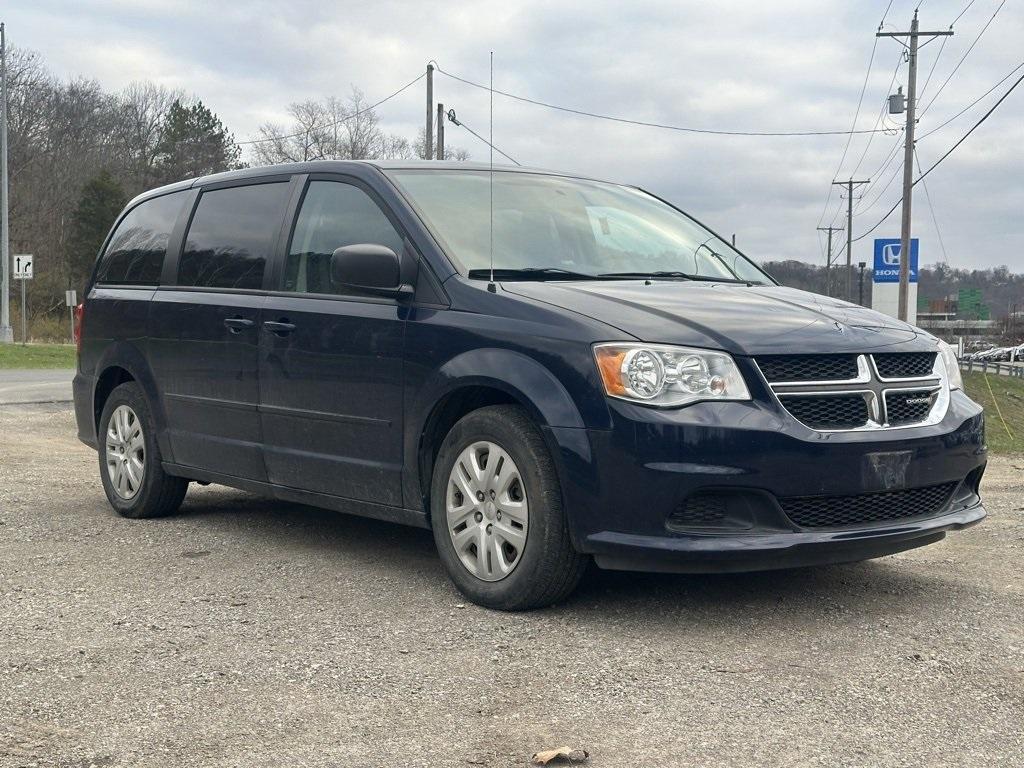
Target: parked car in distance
580 371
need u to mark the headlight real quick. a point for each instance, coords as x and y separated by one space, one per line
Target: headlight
948 354
658 374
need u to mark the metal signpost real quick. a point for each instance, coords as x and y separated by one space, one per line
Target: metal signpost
71 299
5 265
23 269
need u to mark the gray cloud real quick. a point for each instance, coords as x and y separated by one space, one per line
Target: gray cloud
737 65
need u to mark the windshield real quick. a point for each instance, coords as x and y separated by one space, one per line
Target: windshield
564 225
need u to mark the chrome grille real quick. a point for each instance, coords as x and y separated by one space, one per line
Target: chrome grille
839 511
881 391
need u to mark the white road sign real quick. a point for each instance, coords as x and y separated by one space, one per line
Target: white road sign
71 298
22 266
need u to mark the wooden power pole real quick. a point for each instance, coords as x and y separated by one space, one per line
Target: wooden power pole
828 259
849 184
908 153
428 137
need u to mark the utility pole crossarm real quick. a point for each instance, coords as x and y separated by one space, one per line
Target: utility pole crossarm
906 34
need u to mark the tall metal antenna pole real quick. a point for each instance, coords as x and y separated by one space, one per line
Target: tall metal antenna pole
908 155
6 333
428 136
492 142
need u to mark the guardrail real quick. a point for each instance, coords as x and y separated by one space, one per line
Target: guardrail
993 366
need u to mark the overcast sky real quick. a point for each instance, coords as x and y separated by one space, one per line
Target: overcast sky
748 66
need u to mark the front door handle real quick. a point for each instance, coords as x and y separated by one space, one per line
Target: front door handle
238 324
280 327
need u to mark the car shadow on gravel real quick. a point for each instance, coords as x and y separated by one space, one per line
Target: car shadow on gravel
886 586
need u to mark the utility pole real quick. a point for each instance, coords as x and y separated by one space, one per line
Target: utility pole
849 184
908 153
440 131
6 333
428 138
828 258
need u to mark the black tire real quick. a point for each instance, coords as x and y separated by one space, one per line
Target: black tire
159 494
549 568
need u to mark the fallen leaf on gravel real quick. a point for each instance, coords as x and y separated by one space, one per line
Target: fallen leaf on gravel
561 753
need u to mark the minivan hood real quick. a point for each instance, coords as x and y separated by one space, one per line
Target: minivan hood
736 318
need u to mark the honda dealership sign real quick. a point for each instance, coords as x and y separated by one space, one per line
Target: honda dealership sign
887 260
885 293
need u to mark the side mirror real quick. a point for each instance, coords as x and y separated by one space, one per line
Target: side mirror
369 268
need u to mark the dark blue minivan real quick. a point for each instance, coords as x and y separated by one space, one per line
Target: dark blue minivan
541 368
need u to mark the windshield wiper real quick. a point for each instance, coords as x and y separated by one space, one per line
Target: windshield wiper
531 273
663 273
672 274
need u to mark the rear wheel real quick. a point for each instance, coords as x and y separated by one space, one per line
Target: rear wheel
496 510
130 463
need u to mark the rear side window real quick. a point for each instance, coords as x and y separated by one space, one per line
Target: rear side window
232 236
333 215
137 248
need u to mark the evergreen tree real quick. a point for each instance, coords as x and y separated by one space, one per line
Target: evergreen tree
194 142
102 199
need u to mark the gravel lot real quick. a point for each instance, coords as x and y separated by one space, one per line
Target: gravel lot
249 632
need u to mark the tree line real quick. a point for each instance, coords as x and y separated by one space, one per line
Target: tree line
77 153
1001 290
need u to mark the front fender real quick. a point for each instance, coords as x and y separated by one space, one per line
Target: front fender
519 376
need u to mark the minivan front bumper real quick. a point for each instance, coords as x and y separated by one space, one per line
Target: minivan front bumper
624 487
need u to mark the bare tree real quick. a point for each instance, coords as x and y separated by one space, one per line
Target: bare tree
334 129
142 110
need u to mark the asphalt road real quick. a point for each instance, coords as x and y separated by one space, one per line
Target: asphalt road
248 632
19 386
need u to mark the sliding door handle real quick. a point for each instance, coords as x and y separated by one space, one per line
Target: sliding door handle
238 324
280 327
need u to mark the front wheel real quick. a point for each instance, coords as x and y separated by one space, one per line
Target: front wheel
496 511
130 465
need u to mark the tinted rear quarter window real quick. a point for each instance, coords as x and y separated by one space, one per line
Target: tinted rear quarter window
135 254
232 235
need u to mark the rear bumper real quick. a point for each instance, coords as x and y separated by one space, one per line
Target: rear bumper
716 553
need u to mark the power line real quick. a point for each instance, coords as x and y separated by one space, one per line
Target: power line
853 125
965 10
644 123
973 103
931 71
461 124
935 220
881 114
945 155
339 120
962 58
